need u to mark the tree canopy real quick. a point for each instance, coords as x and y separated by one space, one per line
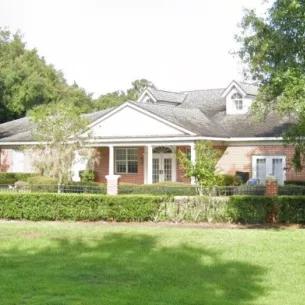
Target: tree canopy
272 50
27 81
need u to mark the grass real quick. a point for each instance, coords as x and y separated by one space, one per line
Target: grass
73 264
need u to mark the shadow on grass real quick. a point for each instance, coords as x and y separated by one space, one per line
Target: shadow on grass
124 269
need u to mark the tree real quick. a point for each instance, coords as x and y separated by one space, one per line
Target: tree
272 50
117 98
59 130
26 80
204 167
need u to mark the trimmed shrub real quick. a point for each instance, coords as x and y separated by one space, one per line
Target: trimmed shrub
249 209
291 189
295 182
75 207
42 180
11 178
170 189
291 209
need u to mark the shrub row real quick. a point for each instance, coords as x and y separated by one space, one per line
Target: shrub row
246 209
295 182
75 207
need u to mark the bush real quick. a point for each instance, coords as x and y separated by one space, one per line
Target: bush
87 175
291 189
291 209
249 209
75 207
195 208
170 189
42 180
11 178
295 182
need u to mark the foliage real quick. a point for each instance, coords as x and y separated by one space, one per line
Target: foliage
158 189
272 49
78 207
26 80
204 167
117 98
60 132
87 175
291 209
194 209
249 209
11 178
295 182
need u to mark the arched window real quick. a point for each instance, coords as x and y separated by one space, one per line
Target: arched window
237 100
162 150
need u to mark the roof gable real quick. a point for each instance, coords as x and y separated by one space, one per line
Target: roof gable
128 120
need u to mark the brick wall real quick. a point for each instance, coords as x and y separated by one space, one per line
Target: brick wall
239 158
102 169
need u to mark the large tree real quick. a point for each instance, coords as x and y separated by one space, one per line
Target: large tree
272 49
26 80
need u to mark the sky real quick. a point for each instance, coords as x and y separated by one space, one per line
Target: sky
104 45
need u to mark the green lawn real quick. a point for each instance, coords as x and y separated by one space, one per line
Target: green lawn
70 263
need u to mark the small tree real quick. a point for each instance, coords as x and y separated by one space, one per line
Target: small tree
59 130
204 167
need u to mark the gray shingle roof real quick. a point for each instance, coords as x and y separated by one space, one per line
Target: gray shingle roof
202 112
250 89
167 96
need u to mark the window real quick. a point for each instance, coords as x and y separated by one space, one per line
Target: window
263 166
237 101
126 160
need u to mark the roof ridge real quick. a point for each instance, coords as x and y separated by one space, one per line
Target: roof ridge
167 91
202 90
245 83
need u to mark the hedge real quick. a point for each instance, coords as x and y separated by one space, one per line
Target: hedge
249 209
42 206
291 209
295 182
11 178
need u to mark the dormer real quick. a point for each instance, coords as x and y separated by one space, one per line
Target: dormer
147 97
239 97
153 95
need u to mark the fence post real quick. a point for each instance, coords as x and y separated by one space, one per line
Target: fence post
272 191
113 182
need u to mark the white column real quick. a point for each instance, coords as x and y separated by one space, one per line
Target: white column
111 160
193 159
149 164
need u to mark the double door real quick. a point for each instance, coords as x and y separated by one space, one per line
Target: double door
162 167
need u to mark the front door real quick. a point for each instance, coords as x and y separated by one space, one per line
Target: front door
162 168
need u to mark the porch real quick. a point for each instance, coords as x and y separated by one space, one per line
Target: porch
144 164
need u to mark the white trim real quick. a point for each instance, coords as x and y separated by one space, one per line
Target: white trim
164 141
146 91
148 113
231 86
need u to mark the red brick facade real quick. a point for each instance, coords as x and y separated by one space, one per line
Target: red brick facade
239 158
234 158
101 169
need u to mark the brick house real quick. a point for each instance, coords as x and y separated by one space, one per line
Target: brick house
139 140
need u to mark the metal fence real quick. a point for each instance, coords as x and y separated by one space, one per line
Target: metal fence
171 190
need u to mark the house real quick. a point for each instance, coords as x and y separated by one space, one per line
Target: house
139 140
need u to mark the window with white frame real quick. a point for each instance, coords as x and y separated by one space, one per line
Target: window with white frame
264 166
237 100
126 160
